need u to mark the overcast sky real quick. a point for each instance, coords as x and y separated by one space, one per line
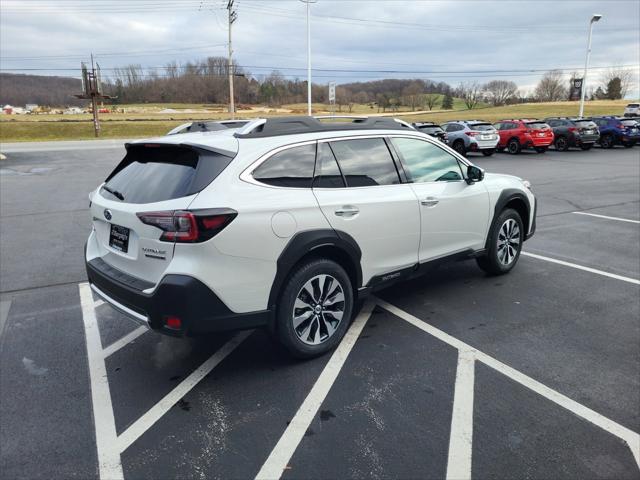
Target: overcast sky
351 39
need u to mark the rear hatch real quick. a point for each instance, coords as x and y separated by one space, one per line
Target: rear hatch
151 178
483 132
586 127
630 127
539 129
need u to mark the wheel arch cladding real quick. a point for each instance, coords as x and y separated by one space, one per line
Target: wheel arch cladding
337 246
518 201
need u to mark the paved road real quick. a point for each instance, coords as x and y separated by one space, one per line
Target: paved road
389 410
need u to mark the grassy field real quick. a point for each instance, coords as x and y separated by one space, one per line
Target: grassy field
141 121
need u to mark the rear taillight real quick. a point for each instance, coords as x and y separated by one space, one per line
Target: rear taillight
572 129
620 126
189 226
472 134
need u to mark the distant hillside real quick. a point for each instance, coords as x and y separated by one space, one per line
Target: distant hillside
20 89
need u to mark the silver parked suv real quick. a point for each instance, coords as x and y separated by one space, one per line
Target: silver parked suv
472 136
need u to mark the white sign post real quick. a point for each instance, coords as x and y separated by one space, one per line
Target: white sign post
332 97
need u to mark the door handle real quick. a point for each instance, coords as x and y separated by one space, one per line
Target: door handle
347 211
430 202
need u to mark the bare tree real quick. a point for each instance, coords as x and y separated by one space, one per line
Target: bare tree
551 87
470 92
625 76
501 91
411 93
431 99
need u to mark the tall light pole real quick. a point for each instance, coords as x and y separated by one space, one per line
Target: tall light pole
232 18
594 19
308 2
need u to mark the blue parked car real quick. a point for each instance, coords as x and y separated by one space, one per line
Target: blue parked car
617 131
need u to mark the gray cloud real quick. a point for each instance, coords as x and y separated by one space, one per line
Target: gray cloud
428 36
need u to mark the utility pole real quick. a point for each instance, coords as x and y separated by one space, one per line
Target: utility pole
92 90
596 17
233 15
308 2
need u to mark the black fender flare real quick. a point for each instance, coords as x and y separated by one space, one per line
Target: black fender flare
303 243
505 197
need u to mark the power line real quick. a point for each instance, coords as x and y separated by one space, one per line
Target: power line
334 70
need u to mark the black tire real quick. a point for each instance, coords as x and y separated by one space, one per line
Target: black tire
586 146
488 152
491 262
606 141
513 146
292 338
541 149
499 149
459 147
561 143
628 144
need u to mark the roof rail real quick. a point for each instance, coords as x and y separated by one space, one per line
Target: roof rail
272 127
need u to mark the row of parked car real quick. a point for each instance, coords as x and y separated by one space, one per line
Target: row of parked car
515 135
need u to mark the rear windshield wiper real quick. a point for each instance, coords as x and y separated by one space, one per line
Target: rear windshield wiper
113 192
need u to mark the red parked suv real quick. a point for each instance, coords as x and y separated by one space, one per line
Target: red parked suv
525 133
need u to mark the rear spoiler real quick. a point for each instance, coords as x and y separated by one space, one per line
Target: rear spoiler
192 146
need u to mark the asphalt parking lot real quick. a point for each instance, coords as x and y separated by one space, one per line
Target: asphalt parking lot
531 375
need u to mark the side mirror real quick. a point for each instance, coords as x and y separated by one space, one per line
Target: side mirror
474 174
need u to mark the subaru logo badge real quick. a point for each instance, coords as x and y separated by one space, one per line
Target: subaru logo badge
107 214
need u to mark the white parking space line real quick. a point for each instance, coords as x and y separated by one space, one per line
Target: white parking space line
127 339
98 303
630 437
606 217
582 267
461 436
109 444
146 421
277 461
106 438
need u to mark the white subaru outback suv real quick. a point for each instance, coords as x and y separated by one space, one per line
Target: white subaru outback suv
286 223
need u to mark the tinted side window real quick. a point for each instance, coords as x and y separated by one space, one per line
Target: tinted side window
425 162
365 162
289 168
327 172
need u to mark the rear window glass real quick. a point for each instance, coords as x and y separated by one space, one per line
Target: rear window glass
292 168
430 128
585 123
365 162
481 127
634 105
537 125
149 174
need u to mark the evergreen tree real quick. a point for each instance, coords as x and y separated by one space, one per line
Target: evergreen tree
447 102
614 89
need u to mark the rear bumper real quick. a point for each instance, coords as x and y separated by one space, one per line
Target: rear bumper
182 296
539 141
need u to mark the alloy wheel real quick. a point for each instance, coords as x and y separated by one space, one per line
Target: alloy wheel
508 241
318 309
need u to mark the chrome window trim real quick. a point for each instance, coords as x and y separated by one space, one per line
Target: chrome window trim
247 173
